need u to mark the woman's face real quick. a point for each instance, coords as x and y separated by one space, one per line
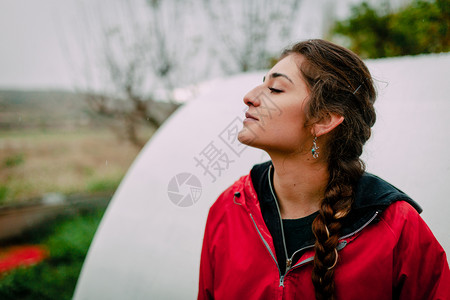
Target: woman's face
275 119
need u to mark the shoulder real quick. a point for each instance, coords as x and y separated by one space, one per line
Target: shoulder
396 207
244 187
241 193
229 197
400 214
420 267
373 196
407 226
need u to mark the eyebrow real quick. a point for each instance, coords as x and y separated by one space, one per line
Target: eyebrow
275 75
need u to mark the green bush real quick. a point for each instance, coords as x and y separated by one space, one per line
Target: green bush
3 193
103 185
14 160
68 241
420 27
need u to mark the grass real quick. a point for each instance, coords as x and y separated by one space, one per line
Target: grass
34 162
48 145
67 240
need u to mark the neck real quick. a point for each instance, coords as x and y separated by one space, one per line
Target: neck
299 184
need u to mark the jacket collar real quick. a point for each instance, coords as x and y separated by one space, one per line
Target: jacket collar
372 196
373 191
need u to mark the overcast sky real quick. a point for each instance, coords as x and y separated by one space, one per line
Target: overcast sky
30 52
32 33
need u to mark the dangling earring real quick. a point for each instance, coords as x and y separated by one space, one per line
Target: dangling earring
314 148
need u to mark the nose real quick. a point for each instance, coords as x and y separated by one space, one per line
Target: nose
252 97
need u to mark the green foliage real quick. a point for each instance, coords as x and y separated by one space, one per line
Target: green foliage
44 281
421 27
71 239
103 185
14 160
3 193
68 241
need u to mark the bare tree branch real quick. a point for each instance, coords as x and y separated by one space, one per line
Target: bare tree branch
248 30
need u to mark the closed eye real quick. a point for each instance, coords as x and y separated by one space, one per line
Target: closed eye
275 91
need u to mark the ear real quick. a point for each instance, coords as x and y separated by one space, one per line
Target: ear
329 122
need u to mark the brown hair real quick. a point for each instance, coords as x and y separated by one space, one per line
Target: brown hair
340 83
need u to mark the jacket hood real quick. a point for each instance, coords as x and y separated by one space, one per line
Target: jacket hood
374 191
372 196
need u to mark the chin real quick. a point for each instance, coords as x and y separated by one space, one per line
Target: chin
250 140
246 137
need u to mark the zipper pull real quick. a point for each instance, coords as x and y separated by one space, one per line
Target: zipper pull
288 263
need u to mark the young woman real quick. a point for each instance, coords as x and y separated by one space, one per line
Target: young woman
310 223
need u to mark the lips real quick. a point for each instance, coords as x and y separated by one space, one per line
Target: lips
250 116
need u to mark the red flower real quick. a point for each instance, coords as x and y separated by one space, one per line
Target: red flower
16 256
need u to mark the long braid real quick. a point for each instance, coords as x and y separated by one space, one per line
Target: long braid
327 225
340 83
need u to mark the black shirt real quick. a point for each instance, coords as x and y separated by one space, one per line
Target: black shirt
297 232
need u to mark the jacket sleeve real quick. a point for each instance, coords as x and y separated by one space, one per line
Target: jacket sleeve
205 290
421 269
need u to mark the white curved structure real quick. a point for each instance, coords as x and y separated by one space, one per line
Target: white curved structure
148 244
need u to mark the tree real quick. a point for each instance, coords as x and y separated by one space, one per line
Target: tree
420 27
246 32
133 61
137 52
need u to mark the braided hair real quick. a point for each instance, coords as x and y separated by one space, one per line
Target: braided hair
339 83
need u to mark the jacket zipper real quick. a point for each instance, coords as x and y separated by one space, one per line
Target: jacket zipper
304 248
289 259
340 239
362 227
266 244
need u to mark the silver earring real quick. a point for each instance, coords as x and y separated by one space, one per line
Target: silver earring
314 148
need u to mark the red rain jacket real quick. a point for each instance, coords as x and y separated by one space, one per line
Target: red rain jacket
390 253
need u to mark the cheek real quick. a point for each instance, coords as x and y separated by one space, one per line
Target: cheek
290 123
290 130
287 135
285 131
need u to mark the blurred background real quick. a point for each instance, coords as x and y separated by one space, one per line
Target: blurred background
85 84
